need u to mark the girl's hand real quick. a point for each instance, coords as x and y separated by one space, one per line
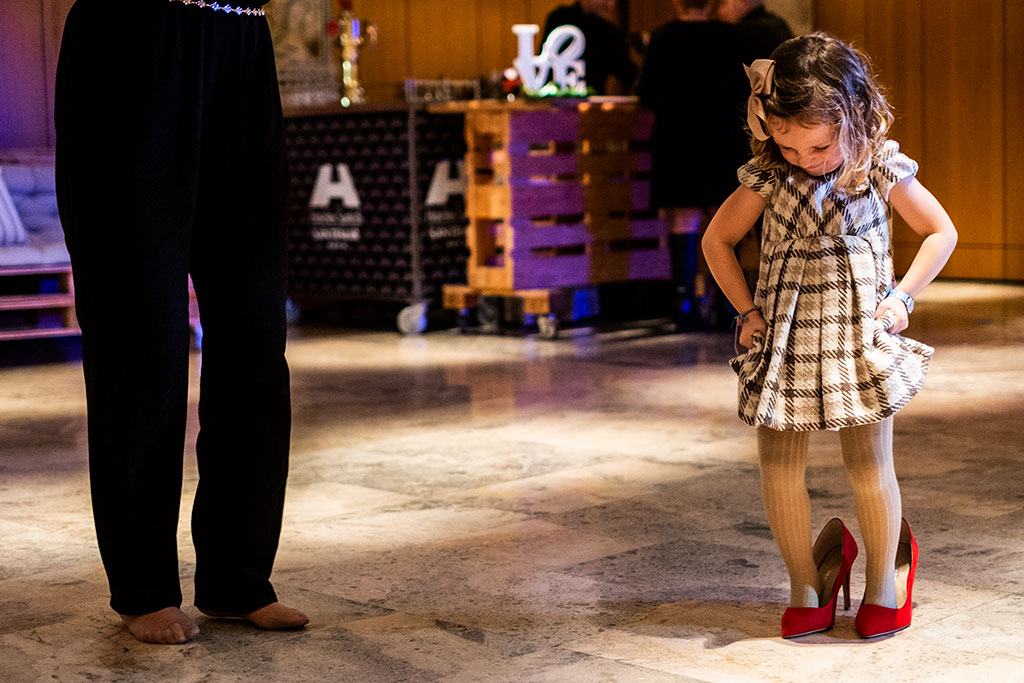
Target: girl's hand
755 325
897 311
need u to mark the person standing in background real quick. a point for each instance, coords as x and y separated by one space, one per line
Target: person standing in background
606 52
760 31
692 79
170 163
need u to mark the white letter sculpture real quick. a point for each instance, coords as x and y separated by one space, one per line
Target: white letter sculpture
561 52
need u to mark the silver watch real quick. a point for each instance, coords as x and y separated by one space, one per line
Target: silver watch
907 300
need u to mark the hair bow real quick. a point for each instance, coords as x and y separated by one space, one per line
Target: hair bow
760 74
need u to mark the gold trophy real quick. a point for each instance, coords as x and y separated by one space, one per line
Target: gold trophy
349 33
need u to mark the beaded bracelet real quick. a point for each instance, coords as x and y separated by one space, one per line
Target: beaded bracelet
742 317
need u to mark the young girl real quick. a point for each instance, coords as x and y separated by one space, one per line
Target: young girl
822 329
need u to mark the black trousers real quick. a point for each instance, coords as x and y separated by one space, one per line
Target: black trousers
170 161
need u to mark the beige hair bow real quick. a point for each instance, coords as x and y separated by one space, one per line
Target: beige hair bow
760 74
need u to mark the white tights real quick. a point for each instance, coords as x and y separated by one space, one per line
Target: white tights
867 454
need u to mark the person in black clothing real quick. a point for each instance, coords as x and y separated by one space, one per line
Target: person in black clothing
760 33
760 30
606 52
170 162
692 78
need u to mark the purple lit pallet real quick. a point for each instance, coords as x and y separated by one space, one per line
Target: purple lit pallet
538 175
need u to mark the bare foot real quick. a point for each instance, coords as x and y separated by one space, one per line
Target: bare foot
169 625
273 617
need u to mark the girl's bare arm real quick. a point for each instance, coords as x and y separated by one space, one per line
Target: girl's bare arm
732 221
925 216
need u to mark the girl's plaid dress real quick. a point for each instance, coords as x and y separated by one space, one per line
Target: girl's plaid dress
826 263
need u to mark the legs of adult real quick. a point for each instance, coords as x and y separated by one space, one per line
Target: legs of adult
783 459
238 265
867 453
155 179
124 189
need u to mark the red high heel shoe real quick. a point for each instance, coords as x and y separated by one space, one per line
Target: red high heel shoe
834 552
875 620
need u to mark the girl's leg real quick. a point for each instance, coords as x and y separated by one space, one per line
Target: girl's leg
867 452
788 507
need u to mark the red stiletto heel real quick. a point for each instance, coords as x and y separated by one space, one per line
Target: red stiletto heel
834 552
875 620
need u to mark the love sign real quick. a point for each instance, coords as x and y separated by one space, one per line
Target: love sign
558 62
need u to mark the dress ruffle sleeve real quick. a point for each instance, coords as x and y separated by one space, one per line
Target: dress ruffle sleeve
763 181
891 167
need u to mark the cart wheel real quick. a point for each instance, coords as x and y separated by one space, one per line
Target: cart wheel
488 312
413 319
547 325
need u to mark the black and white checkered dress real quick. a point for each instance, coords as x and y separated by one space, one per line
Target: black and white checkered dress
826 263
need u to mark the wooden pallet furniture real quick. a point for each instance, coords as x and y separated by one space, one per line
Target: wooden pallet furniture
558 197
37 293
37 302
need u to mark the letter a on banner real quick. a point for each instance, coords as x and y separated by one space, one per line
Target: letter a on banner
326 188
442 185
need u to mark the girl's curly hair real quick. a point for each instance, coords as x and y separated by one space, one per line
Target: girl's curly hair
820 79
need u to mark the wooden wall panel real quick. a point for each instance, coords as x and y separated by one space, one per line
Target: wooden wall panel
445 48
963 126
893 39
498 45
382 69
846 19
890 33
954 71
453 38
894 42
1013 141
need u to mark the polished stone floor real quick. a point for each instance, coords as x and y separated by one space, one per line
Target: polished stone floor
472 508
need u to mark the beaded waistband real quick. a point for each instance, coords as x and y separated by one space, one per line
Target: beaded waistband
218 7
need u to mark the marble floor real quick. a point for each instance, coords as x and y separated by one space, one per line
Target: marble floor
473 508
